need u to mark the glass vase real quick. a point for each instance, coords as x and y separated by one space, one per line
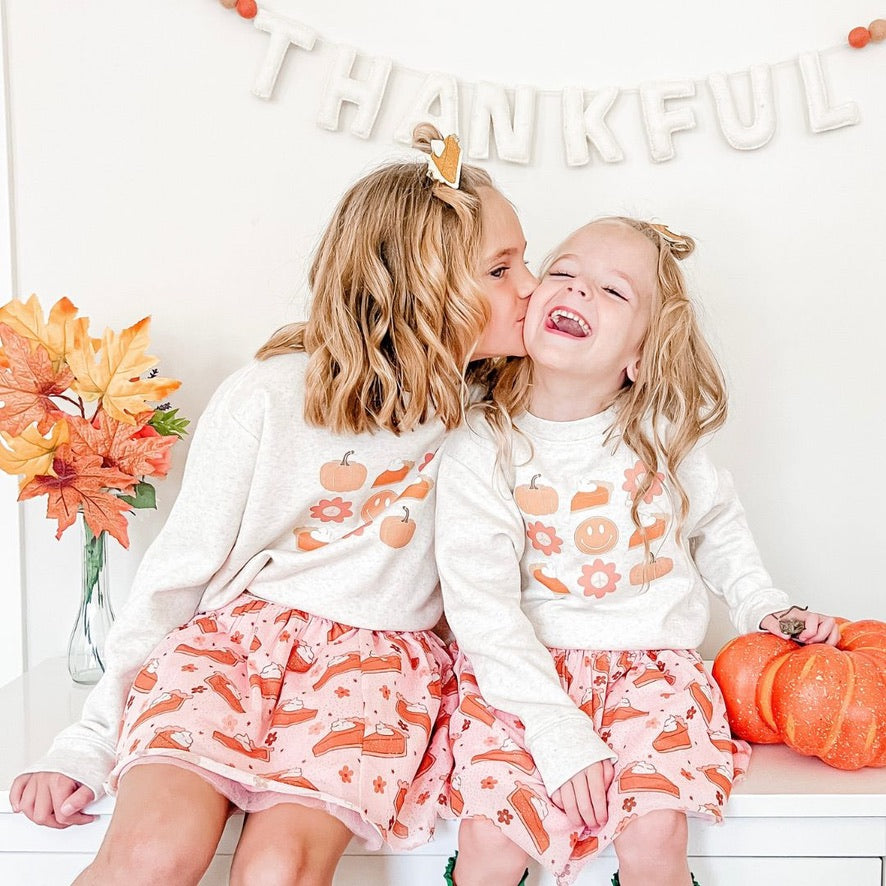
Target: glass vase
95 616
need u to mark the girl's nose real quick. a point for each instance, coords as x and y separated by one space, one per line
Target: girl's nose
581 290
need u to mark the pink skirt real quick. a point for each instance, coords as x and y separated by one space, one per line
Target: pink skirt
273 705
660 713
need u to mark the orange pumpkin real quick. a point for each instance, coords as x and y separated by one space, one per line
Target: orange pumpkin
643 573
533 499
829 703
343 476
376 503
397 532
737 669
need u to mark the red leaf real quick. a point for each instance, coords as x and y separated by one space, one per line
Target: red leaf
27 383
82 483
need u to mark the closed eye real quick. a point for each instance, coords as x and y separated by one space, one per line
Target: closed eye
614 292
560 274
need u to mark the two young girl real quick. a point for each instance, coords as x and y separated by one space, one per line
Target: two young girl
579 524
304 684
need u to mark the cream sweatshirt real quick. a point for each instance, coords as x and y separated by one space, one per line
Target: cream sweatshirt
340 526
545 554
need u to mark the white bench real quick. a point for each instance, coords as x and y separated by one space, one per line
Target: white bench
794 821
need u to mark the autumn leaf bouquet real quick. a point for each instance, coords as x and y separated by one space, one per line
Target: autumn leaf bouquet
76 421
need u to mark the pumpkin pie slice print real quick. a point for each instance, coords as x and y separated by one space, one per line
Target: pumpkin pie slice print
653 527
146 678
399 829
419 489
163 704
561 668
223 687
251 606
456 798
591 702
585 847
255 645
219 656
590 494
718 775
289 614
394 473
310 538
427 763
301 658
291 713
435 687
643 776
242 744
713 809
702 696
381 664
622 711
474 706
342 734
653 675
545 574
292 777
531 809
207 624
384 741
416 714
723 742
510 753
337 665
268 680
171 738
338 630
674 736
413 660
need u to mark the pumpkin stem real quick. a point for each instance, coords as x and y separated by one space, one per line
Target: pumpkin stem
406 518
344 460
532 482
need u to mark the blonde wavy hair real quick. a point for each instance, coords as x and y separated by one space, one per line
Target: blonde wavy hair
678 397
396 310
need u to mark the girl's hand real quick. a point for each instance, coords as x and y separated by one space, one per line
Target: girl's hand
583 797
816 628
51 799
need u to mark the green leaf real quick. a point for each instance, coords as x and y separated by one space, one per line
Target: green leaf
145 497
166 424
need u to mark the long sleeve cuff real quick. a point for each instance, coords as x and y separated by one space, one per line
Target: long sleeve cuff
89 763
567 748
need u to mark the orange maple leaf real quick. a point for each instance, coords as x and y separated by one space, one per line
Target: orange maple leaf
119 446
56 334
27 383
81 483
30 453
111 371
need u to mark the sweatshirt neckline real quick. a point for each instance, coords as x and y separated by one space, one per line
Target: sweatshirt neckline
566 431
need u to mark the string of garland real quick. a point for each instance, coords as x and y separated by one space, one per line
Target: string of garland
858 37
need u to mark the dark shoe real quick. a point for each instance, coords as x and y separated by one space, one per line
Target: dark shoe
450 867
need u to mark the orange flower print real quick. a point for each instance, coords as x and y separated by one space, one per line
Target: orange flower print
598 579
331 510
488 783
345 774
385 692
629 804
544 538
636 476
423 798
341 692
504 817
189 667
379 784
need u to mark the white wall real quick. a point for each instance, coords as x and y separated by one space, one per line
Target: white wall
148 179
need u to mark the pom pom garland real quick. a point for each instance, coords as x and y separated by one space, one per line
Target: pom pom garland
860 37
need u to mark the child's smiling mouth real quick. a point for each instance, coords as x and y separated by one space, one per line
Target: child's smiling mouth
568 322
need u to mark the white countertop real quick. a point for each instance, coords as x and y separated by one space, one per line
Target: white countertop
780 782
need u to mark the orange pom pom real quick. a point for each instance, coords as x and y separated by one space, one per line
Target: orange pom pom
247 8
878 30
858 37
228 4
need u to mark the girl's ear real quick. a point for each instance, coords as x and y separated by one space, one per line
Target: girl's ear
633 369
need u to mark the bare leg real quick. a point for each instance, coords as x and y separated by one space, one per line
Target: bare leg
652 849
486 855
289 844
165 828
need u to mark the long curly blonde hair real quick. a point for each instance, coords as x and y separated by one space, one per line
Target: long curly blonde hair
678 397
396 310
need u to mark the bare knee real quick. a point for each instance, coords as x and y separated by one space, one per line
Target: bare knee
282 866
486 855
144 860
653 839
